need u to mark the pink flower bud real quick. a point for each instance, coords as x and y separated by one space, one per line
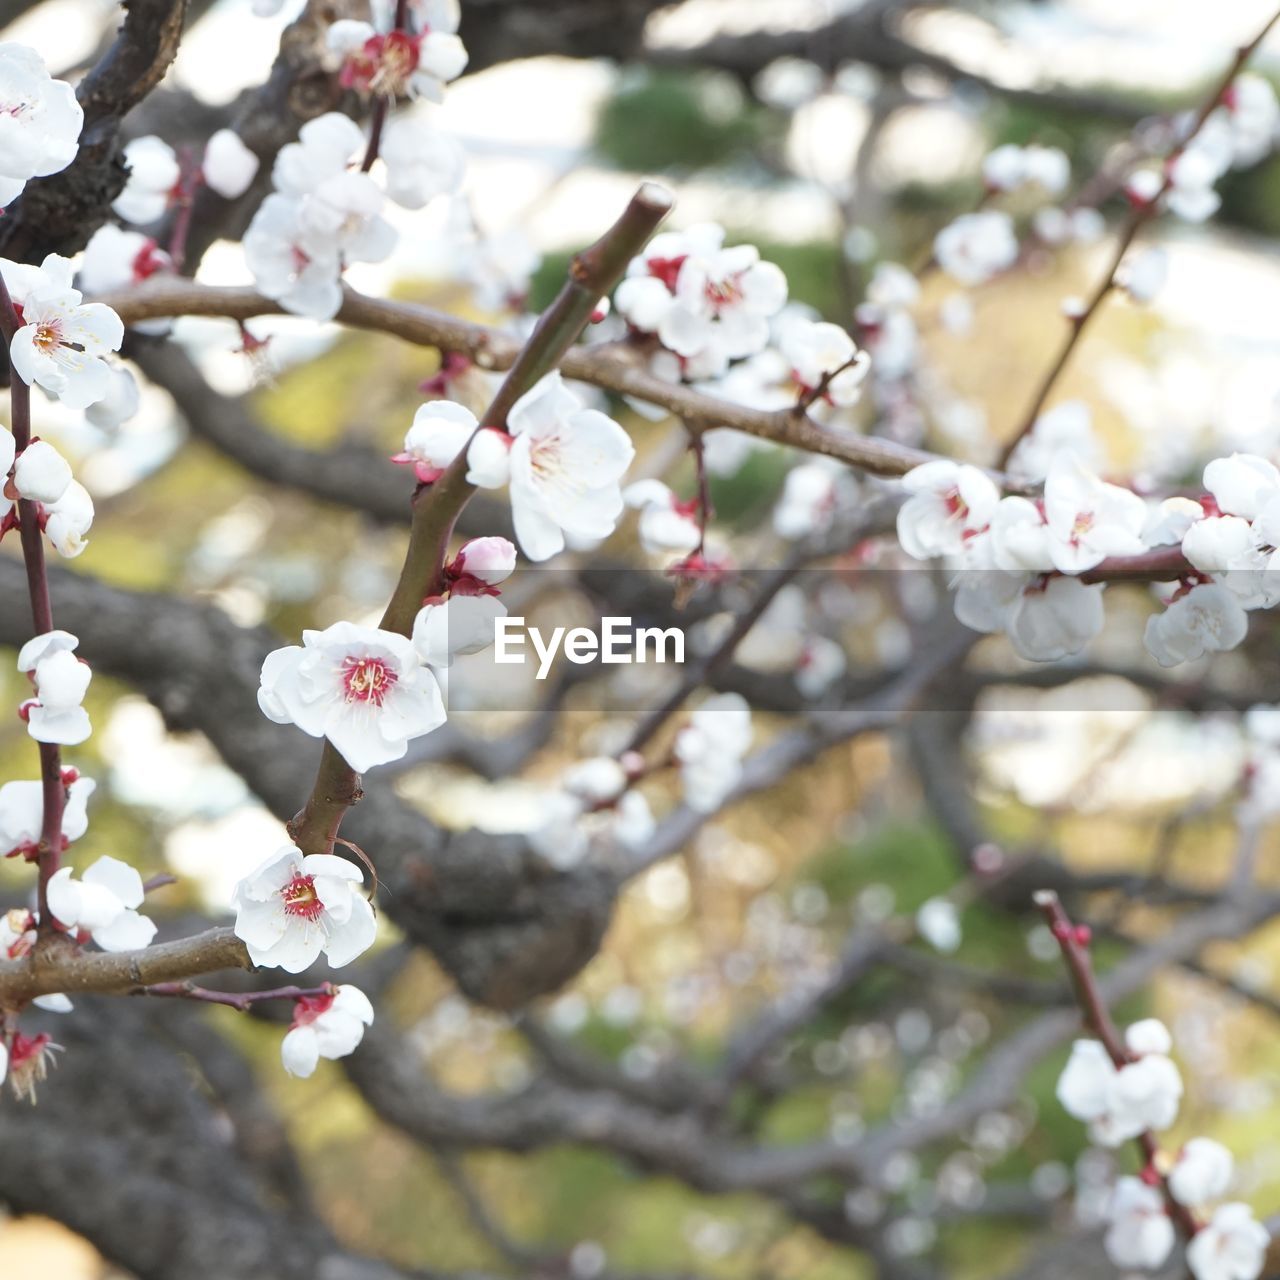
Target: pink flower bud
492 560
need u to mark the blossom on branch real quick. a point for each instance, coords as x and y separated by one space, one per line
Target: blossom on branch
68 520
440 431
977 246
362 688
62 341
949 504
229 167
40 120
706 303
325 1026
61 680
391 62
292 908
154 176
22 814
1119 1103
103 903
41 473
1202 1173
1233 1246
666 523
824 356
566 464
710 748
1141 1232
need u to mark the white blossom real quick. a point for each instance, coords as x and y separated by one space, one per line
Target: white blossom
229 167
41 473
950 503
63 340
710 750
723 302
566 464
1089 520
666 523
154 173
119 404
116 258
1252 115
1207 619
328 1026
421 163
439 432
817 350
1202 1173
419 63
1141 1233
1242 483
364 689
61 681
811 497
291 908
1142 275
976 246
22 814
1150 1035
69 519
40 120
1010 166
1191 177
103 903
1233 1246
939 925
461 625
1056 619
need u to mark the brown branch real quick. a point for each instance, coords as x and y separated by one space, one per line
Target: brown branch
592 275
1075 953
61 965
615 367
59 213
1140 214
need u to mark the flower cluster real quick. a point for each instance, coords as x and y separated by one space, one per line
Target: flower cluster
563 463
710 750
324 214
42 476
1140 1096
1239 132
382 60
1020 560
593 802
706 304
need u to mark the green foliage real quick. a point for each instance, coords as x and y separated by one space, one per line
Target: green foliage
677 121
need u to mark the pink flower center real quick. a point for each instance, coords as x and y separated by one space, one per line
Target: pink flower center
1084 522
306 1009
955 504
48 335
148 261
721 294
667 270
301 899
367 680
383 65
29 1059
